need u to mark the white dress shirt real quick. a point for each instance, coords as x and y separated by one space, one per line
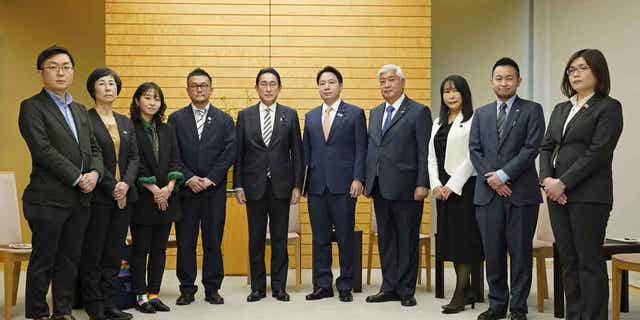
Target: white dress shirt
577 105
334 110
396 105
263 111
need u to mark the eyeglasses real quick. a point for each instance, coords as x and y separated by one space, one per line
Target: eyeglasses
203 86
580 69
57 68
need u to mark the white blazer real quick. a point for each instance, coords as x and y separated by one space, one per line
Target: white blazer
456 160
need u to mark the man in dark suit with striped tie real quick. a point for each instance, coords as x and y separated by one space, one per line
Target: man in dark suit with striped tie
268 175
206 140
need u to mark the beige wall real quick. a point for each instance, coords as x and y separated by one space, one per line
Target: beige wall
26 29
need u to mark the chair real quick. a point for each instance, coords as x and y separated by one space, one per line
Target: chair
542 249
10 234
424 246
293 237
620 263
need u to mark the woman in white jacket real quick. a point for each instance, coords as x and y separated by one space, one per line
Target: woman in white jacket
452 180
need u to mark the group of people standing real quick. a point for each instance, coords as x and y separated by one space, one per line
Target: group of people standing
97 173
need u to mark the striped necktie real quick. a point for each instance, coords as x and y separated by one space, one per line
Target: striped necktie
502 117
267 128
200 122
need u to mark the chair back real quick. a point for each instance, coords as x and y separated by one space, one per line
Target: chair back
543 228
373 226
294 219
10 231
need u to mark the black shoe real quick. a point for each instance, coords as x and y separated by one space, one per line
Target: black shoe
518 316
214 298
408 301
468 301
451 309
319 294
185 299
491 315
346 296
117 314
256 296
145 308
383 297
159 306
281 295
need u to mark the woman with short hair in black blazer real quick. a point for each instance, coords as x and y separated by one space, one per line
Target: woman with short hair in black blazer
452 179
575 170
111 203
158 205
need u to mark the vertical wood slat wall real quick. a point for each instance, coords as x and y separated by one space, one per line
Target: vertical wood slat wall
162 40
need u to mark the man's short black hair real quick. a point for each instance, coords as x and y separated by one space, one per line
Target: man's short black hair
198 72
329 69
506 61
50 52
269 70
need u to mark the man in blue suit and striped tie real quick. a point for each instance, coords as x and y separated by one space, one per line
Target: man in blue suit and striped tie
335 148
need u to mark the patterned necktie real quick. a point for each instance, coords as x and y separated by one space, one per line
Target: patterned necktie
199 122
267 129
326 123
502 117
387 120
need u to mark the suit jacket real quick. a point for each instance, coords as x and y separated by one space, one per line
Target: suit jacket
210 156
334 164
147 212
283 156
398 160
456 160
515 153
57 158
128 159
585 151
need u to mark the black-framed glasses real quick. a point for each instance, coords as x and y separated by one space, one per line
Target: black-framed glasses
203 86
580 69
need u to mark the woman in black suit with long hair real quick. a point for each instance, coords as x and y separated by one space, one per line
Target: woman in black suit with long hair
452 178
112 200
575 170
158 205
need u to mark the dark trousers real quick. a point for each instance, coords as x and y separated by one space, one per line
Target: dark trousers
56 239
327 211
207 215
398 238
102 255
579 230
506 228
276 211
151 240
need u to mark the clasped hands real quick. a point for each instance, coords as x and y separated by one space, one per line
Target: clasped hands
120 194
88 181
161 195
554 188
501 188
198 184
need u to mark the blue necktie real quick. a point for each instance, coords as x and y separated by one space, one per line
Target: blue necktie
69 117
387 120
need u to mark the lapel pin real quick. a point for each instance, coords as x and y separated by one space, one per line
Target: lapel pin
124 132
209 119
340 115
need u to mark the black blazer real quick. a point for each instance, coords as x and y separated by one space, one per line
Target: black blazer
399 158
147 212
515 153
55 154
128 160
212 155
284 155
585 151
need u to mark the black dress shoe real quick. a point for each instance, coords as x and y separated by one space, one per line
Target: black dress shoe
491 315
451 309
159 306
346 296
408 301
145 308
383 297
281 295
214 298
117 314
518 316
185 299
319 294
256 296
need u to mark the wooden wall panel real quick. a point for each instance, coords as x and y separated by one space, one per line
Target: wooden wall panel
162 40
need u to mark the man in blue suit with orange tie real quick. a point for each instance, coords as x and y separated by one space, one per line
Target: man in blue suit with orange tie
335 148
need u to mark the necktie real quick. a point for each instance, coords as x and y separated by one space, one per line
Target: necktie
326 123
199 122
69 118
387 120
502 117
267 129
